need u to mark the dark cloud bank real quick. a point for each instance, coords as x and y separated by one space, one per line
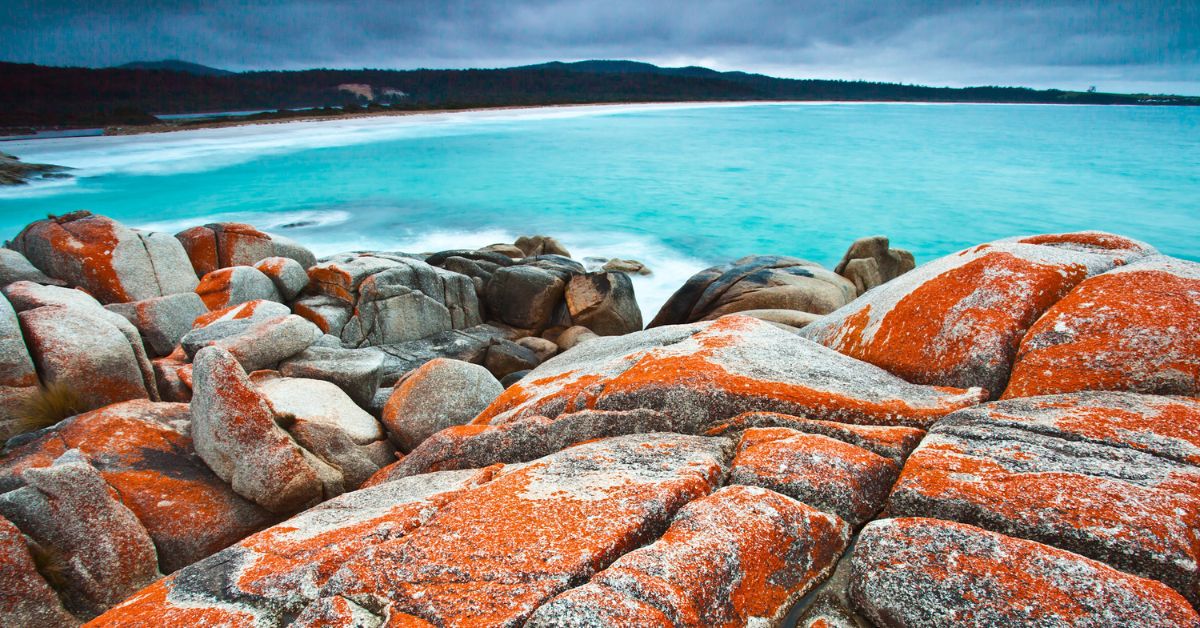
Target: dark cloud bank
1116 46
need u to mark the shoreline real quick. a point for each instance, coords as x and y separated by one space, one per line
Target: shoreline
225 123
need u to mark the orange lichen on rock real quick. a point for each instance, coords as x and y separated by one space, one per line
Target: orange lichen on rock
1129 506
737 557
1136 328
200 243
143 451
240 244
957 321
276 573
820 471
703 373
927 572
25 597
892 442
249 309
564 517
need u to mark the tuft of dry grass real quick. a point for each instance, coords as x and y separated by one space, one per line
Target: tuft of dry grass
50 405
51 564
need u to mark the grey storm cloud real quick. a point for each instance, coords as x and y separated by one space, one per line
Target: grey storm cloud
1127 46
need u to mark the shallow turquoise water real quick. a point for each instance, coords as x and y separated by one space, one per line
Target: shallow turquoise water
680 187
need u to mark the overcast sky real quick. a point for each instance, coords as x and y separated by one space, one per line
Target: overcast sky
1116 46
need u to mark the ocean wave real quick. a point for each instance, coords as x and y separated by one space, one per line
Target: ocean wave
200 150
669 267
279 222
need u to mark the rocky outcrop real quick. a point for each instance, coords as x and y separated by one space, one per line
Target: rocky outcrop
756 283
709 372
235 285
162 321
926 572
14 267
257 342
27 600
604 303
891 442
394 299
1134 328
737 557
441 394
18 379
221 245
957 321
13 171
358 372
1111 476
869 262
104 553
111 262
234 429
286 273
824 472
144 452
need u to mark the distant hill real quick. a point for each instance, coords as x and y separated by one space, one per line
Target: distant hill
175 65
33 96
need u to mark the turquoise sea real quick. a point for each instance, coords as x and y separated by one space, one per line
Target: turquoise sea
677 186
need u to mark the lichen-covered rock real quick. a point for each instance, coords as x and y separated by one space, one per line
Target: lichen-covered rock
564 516
1106 475
738 557
957 320
25 597
476 446
358 372
111 262
286 273
535 245
18 379
325 421
329 313
820 471
162 321
104 552
892 442
440 394
142 449
256 342
258 309
926 572
870 262
173 376
756 283
87 351
234 432
708 372
234 285
1134 328
604 303
278 572
221 245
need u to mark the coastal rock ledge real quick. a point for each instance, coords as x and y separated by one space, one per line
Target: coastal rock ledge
216 428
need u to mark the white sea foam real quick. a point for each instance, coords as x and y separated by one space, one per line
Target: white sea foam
199 150
330 231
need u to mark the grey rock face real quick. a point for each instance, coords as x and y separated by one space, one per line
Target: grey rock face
107 554
440 394
900 576
756 283
234 432
604 303
525 296
256 344
286 273
869 262
505 357
112 262
18 379
235 285
14 267
162 321
358 372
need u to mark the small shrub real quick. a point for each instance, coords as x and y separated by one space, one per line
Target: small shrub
50 405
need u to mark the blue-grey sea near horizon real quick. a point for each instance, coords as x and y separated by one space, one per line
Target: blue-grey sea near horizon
678 187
